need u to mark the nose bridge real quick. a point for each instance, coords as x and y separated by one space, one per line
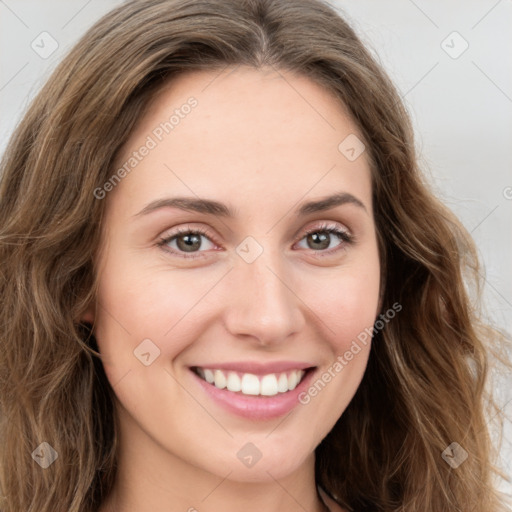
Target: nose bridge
262 303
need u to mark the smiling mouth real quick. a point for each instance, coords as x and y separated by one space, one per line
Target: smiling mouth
250 384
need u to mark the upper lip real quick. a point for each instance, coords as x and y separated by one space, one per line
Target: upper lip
257 368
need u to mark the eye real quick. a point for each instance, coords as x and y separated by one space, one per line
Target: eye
187 240
320 237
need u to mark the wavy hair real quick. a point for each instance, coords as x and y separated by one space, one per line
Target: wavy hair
425 383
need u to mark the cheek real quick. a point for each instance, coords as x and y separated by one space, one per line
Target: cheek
145 315
139 302
347 302
347 307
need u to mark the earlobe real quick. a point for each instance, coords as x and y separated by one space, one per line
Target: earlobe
88 316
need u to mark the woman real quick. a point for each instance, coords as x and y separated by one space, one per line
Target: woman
225 283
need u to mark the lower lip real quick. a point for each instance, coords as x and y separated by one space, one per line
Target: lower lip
256 407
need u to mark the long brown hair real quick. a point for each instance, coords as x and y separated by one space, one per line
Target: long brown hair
424 387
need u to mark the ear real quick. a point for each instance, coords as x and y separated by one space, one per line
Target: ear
88 315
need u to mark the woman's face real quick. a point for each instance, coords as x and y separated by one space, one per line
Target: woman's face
251 300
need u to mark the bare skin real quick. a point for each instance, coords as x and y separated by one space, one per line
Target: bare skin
263 143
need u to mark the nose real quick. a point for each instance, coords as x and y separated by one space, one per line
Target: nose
262 304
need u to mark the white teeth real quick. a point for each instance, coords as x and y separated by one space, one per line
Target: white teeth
208 376
282 383
220 379
250 384
269 385
233 382
293 381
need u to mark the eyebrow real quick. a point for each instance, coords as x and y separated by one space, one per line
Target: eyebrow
211 207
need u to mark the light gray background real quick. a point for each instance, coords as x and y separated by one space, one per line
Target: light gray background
461 107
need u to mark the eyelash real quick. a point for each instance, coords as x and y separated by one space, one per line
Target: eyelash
343 235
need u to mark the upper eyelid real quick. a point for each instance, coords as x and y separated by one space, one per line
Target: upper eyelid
326 225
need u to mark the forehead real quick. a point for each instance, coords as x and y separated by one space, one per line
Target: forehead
243 134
